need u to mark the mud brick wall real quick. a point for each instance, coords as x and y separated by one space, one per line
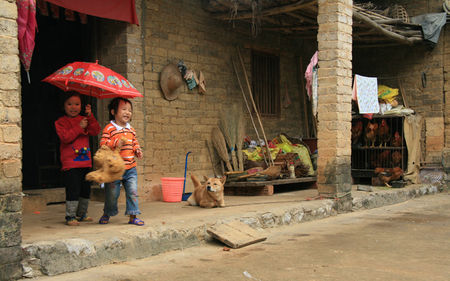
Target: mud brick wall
182 30
406 66
10 145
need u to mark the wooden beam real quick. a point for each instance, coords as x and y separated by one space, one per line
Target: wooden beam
302 18
380 29
269 12
291 28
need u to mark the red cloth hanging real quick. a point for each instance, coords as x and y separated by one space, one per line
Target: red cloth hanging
42 7
123 10
69 15
26 23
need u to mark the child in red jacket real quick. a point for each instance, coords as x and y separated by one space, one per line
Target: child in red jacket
74 130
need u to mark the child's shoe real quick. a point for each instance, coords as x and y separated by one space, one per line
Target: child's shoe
72 222
84 218
136 221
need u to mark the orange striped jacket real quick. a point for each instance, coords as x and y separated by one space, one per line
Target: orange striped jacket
111 135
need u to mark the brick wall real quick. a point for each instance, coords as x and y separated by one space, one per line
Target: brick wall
183 30
334 91
408 66
10 145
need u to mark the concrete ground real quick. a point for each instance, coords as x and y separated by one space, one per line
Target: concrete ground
49 224
405 241
52 248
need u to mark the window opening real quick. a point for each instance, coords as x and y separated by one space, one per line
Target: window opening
266 83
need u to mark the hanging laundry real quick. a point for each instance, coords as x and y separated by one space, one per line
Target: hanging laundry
309 73
314 87
365 91
27 25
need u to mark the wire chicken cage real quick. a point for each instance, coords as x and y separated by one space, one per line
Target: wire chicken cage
384 149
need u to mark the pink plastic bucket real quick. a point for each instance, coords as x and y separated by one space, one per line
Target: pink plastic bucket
172 189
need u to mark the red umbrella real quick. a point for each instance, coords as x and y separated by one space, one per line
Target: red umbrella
92 79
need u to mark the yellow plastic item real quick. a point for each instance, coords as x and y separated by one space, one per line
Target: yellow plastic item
285 147
256 155
303 153
387 93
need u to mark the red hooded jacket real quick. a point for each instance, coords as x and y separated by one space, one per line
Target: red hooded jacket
74 148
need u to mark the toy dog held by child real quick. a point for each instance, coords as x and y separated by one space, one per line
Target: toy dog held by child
109 165
209 194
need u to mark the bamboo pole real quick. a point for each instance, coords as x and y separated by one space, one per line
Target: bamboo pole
254 107
248 107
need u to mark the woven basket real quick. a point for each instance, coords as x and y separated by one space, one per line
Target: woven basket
398 12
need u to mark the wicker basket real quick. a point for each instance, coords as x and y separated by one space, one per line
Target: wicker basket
398 12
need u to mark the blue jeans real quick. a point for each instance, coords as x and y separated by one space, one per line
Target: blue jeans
112 192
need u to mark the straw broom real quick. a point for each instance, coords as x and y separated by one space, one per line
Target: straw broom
220 146
228 126
240 141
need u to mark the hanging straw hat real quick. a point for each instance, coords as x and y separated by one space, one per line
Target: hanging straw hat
171 81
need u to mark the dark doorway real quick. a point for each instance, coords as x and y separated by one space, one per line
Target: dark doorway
58 42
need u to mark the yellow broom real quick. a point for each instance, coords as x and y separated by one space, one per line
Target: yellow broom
228 126
220 146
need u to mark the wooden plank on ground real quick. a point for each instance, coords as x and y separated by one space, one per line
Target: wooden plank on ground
272 182
235 234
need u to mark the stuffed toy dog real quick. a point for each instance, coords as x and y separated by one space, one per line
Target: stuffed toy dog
208 194
109 165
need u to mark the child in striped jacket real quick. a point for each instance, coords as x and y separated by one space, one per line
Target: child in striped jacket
120 133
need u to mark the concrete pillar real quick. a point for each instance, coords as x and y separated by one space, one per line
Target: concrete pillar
334 99
10 145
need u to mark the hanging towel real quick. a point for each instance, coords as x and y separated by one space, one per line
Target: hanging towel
309 74
365 89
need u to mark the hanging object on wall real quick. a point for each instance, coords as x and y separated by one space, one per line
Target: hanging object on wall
191 78
26 22
201 83
171 82
287 99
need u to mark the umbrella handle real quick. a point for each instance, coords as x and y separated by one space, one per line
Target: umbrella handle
185 168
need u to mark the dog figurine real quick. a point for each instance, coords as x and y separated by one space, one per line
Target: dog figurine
209 194
109 165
